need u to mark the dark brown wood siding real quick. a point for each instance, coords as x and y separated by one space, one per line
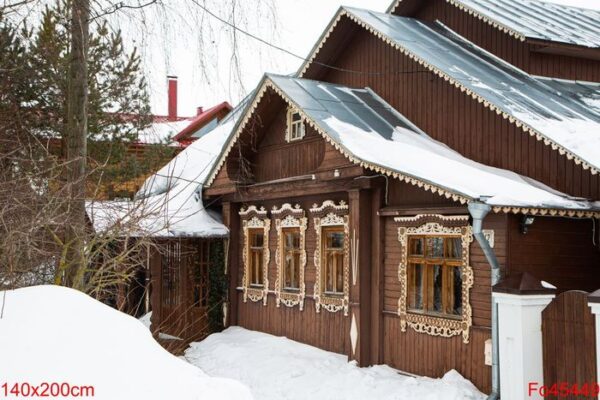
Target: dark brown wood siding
329 331
558 250
430 355
449 115
529 56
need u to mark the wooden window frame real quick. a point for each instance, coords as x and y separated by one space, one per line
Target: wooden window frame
287 218
252 219
291 124
427 225
429 263
333 216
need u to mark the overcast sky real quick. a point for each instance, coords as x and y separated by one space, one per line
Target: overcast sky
294 25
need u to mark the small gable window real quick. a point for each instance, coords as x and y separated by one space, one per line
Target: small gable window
295 126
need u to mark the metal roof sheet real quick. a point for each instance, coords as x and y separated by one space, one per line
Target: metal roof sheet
563 115
535 19
541 20
371 133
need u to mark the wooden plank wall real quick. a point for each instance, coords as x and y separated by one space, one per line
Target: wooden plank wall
558 250
521 54
433 356
450 116
329 331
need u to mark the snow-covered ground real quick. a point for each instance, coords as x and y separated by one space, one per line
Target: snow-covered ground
276 368
54 334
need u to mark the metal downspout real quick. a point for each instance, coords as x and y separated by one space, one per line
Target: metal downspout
478 212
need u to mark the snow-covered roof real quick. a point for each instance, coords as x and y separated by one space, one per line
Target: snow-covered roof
162 132
372 134
172 197
560 118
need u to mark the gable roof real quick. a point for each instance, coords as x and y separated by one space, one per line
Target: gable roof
538 20
201 120
370 133
561 119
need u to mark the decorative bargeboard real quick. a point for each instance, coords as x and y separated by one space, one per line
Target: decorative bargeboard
253 218
289 217
330 214
438 225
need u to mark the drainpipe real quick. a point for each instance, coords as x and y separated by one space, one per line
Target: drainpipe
478 212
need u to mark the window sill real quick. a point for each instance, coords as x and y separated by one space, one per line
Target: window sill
435 315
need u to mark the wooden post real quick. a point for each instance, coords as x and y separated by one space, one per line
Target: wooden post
231 219
377 277
360 231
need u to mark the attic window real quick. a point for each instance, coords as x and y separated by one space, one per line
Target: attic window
295 126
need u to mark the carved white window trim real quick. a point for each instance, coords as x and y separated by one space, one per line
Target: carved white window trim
431 325
331 218
254 218
288 217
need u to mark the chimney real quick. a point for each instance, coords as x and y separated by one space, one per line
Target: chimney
172 81
199 110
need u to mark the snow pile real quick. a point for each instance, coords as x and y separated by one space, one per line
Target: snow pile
421 157
276 368
54 334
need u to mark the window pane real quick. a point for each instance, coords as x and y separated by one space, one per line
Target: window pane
416 247
296 117
256 239
454 247
436 304
256 270
329 271
292 240
292 271
435 247
339 264
335 240
457 290
415 286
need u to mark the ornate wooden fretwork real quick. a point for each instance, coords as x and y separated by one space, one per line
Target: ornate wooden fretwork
289 217
252 218
330 214
431 325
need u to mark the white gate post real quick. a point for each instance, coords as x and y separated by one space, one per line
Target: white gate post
594 303
521 299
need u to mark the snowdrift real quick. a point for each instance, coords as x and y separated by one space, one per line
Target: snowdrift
277 368
54 334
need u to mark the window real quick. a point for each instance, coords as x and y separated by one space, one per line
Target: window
291 259
255 257
255 229
332 257
295 130
333 260
434 275
291 255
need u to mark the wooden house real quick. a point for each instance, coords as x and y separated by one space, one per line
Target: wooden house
420 155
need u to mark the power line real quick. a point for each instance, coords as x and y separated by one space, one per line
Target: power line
253 36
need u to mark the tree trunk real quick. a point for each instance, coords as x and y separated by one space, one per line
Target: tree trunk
76 145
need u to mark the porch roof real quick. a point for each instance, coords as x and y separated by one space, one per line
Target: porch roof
568 119
372 134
